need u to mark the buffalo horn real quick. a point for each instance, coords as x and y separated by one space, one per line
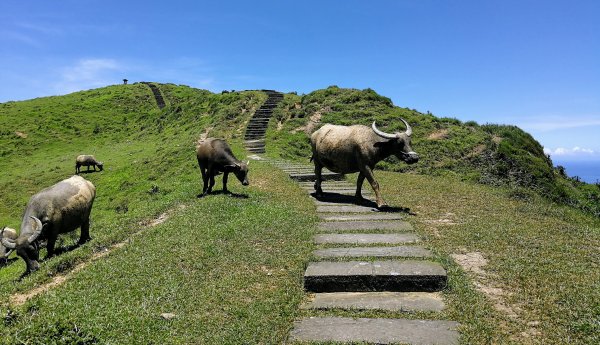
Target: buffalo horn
408 129
37 231
7 242
382 134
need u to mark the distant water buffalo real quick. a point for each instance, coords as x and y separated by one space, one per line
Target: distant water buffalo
215 157
55 210
350 149
5 252
87 161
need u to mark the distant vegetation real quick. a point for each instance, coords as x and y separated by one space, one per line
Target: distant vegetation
497 155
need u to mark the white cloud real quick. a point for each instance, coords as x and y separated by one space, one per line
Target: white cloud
88 74
575 151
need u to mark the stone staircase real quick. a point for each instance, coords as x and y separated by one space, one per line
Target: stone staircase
157 95
254 138
367 259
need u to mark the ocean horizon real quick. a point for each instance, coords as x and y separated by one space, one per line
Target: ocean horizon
587 171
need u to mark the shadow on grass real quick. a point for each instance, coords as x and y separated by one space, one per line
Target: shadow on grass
87 172
231 194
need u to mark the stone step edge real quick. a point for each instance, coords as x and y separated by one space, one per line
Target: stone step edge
375 252
385 301
386 275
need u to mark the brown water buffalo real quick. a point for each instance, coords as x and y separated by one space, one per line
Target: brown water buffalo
350 149
87 161
215 157
55 210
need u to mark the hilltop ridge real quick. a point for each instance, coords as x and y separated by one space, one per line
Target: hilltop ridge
498 155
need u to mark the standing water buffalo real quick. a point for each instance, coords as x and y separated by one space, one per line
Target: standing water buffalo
5 252
349 149
87 161
55 210
215 156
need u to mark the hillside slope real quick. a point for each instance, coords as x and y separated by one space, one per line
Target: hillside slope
230 269
497 155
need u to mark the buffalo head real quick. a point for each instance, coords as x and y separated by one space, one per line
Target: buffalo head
241 172
401 143
25 244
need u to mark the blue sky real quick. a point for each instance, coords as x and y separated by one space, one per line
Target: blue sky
534 64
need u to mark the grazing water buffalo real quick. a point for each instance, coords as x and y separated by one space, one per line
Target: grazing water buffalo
349 149
5 252
215 157
55 210
87 161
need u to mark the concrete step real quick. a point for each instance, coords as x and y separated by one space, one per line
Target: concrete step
360 216
390 275
255 145
388 301
366 238
325 184
378 252
375 331
366 225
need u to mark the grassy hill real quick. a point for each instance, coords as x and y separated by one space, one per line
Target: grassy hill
230 269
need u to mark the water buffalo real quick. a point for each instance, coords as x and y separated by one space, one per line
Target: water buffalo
55 210
5 252
215 157
87 161
349 149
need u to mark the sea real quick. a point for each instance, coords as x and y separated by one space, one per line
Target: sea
587 171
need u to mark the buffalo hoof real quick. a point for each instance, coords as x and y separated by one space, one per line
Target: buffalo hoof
83 240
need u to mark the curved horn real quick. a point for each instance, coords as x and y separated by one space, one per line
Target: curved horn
37 231
383 134
7 242
408 128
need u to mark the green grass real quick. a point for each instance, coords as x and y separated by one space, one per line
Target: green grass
229 268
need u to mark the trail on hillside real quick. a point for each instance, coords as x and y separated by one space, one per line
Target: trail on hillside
20 298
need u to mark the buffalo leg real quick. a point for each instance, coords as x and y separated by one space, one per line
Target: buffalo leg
368 173
204 178
211 182
359 183
85 232
318 178
50 246
204 181
225 176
